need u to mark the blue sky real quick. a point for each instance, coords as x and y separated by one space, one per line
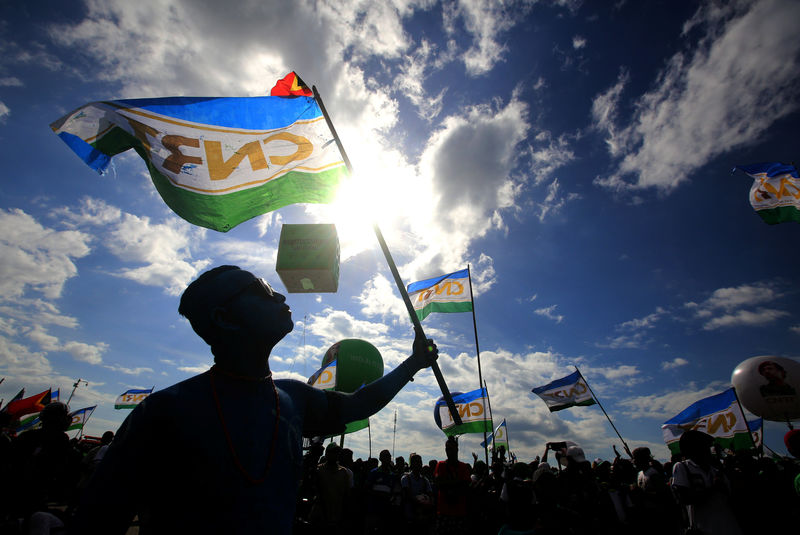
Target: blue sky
577 156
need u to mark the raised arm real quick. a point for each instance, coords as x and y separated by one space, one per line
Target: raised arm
376 395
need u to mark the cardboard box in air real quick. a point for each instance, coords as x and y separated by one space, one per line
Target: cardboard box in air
308 258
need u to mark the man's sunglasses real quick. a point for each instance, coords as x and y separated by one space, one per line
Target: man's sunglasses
260 285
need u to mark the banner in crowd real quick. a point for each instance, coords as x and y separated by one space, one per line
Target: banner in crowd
757 430
497 437
79 417
31 421
471 406
566 392
130 398
775 193
448 293
216 162
719 416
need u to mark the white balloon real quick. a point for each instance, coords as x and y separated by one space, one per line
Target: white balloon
769 387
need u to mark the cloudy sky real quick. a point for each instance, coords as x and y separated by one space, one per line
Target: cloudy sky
575 155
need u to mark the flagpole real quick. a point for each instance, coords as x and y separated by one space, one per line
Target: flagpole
478 353
746 423
394 433
627 449
508 440
393 268
491 416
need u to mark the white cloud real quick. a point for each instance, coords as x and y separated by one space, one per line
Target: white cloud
665 405
578 42
554 202
10 81
4 111
724 308
34 257
795 329
740 79
677 362
549 313
548 154
130 371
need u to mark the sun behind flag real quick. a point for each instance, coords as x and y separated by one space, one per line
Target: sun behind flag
216 162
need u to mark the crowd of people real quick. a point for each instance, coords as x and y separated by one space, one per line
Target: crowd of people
700 491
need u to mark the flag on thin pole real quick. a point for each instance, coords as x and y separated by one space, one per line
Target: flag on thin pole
775 193
79 417
498 437
55 394
131 398
216 162
569 391
447 293
719 416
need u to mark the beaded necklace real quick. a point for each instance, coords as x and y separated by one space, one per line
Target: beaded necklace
247 476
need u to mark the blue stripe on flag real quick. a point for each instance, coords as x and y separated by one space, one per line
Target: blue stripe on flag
427 283
704 407
564 381
251 113
93 157
770 168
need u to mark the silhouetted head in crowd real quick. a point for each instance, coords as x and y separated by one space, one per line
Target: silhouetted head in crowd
451 449
696 445
55 417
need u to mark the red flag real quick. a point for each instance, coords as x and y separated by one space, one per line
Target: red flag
291 85
15 398
24 406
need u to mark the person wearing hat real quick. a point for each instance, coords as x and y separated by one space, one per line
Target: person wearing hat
702 488
221 452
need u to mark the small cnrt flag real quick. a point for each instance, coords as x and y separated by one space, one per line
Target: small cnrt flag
325 377
566 392
79 417
498 437
472 407
447 293
130 398
775 194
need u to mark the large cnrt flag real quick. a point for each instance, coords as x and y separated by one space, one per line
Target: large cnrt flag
498 437
448 293
21 407
718 415
775 193
565 392
472 409
215 161
80 417
130 398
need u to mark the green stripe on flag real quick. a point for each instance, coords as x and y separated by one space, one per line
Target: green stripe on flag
464 306
472 427
782 214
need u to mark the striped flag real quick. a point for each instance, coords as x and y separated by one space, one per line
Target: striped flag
15 398
80 417
29 405
775 193
498 437
566 392
216 162
29 422
325 377
718 415
448 293
130 398
471 408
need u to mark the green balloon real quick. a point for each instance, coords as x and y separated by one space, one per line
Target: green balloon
357 363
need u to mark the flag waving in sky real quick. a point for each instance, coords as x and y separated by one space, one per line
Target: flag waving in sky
718 415
215 161
130 398
775 193
291 85
471 407
498 437
448 293
79 417
565 392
